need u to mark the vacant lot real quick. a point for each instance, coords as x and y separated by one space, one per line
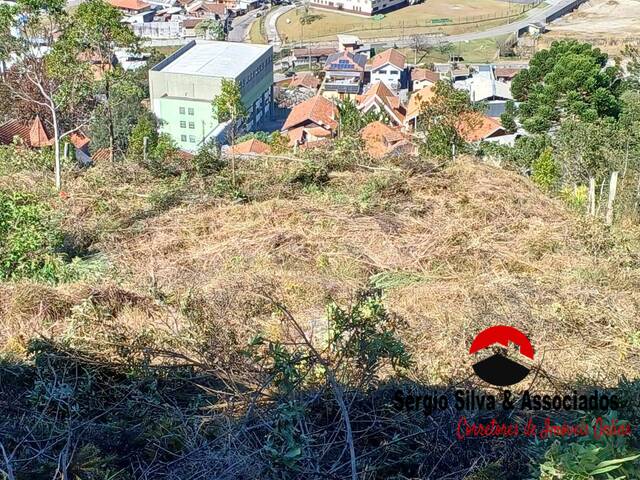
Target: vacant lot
608 24
462 15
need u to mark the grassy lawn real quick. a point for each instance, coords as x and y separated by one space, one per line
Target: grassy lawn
256 32
484 50
463 15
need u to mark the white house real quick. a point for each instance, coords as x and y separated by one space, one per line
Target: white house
483 88
388 67
361 7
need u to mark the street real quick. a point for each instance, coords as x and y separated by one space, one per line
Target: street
241 26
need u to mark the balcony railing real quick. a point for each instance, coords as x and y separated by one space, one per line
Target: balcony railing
342 85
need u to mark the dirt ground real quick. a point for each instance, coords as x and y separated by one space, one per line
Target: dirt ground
608 24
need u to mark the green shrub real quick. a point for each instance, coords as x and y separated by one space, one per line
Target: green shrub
545 172
309 173
29 239
589 458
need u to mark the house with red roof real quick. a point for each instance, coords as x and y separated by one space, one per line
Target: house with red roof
344 75
130 7
312 120
381 140
249 148
28 134
380 98
34 135
477 127
423 77
388 67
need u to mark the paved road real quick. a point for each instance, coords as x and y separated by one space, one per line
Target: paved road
270 24
532 16
241 26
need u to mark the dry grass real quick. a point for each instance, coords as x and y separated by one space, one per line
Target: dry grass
463 16
458 250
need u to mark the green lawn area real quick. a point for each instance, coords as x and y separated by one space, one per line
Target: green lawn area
463 15
484 50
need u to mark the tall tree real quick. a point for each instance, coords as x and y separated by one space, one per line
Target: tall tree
43 74
95 33
568 79
211 29
508 117
442 119
228 107
353 120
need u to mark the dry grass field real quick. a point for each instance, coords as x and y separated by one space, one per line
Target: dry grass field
455 251
405 21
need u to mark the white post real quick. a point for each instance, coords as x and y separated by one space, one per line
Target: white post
591 206
144 148
613 185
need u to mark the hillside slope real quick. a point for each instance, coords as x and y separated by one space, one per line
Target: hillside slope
455 250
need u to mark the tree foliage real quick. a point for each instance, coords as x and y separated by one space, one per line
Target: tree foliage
353 120
211 29
442 119
568 79
29 240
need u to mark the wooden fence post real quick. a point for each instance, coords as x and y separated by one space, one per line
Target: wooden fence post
591 206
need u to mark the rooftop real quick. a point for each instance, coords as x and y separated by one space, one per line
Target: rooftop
392 56
212 59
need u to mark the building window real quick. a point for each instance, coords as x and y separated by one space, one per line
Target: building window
183 124
181 110
382 72
192 139
192 125
183 138
190 111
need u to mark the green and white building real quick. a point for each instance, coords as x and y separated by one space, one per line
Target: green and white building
183 85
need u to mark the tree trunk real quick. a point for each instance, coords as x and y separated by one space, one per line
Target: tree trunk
56 140
107 88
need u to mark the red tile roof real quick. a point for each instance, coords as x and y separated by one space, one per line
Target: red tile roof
218 9
417 100
191 22
101 154
422 74
79 140
380 94
475 127
251 146
317 110
135 5
29 134
392 56
380 138
305 79
506 72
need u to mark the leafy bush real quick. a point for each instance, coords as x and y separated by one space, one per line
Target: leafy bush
545 172
208 159
309 173
29 240
590 459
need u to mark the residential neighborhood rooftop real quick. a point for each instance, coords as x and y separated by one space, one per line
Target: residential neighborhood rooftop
213 59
